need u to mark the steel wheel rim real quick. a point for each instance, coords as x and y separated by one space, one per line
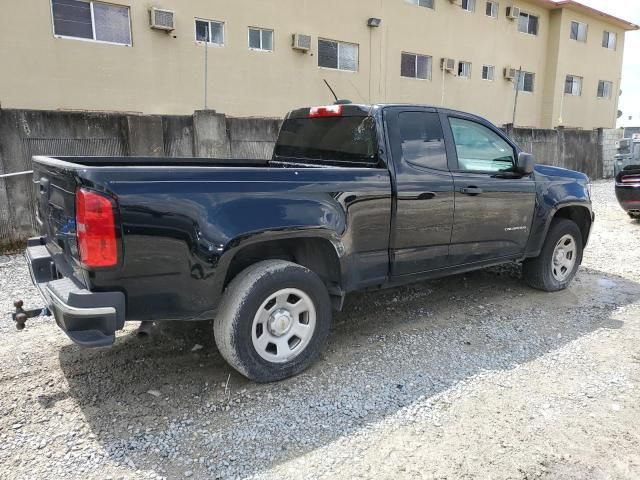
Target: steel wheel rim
283 325
564 258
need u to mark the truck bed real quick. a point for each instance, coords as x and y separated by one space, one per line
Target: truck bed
181 222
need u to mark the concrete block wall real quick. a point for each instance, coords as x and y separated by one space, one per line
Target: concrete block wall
25 133
573 149
610 139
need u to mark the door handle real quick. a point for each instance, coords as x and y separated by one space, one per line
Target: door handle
473 191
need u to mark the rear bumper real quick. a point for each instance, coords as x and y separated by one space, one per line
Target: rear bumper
90 319
628 196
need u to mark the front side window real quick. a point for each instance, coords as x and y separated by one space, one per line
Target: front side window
415 66
609 40
573 85
604 89
91 21
479 148
261 39
469 5
579 31
525 81
464 69
492 9
338 55
488 72
210 31
422 139
528 23
421 3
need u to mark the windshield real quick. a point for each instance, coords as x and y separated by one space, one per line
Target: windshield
342 141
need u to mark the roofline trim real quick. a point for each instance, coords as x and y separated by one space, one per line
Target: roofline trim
560 4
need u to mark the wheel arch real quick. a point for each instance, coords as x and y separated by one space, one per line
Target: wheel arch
579 214
317 252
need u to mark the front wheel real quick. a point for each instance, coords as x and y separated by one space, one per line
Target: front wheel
273 320
559 260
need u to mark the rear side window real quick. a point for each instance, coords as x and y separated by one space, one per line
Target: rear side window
422 140
341 141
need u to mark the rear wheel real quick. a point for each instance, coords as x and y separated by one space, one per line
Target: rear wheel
559 260
273 320
634 215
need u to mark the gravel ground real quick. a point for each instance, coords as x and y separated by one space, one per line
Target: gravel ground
474 376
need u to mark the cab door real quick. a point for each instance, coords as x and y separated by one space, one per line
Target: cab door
493 206
424 200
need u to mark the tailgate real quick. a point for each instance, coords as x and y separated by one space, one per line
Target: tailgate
55 208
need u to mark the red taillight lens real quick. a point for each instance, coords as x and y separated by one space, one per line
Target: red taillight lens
328 111
96 229
630 179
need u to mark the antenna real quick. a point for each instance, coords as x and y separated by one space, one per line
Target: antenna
332 92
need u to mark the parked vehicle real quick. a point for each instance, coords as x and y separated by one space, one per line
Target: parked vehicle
355 197
628 190
628 154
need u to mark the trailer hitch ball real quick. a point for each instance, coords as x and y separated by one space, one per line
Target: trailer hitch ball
21 320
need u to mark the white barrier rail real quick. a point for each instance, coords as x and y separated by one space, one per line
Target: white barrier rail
15 174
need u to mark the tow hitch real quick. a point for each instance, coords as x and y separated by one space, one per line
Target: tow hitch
21 315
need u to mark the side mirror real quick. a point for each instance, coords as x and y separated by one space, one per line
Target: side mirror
526 163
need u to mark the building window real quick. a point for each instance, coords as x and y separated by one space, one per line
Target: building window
469 5
338 55
604 89
492 9
573 85
579 31
609 40
95 21
210 31
488 72
528 24
525 81
416 66
464 69
261 39
421 3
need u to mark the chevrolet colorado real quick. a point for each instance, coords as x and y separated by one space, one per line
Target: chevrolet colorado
355 197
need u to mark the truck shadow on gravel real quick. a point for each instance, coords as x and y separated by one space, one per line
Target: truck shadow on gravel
162 406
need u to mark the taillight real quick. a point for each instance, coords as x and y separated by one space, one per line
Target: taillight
96 229
327 111
630 179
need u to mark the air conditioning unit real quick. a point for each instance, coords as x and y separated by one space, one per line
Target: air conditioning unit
162 19
510 73
301 42
513 13
447 64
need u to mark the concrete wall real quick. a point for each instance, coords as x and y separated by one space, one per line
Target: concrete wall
609 147
580 150
24 133
162 73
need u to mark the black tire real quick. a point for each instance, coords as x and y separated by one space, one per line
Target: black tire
240 303
537 272
635 216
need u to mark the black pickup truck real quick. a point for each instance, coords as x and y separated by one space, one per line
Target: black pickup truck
355 197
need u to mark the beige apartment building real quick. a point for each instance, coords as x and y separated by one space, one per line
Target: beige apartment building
238 56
